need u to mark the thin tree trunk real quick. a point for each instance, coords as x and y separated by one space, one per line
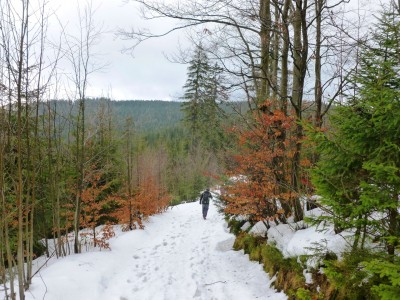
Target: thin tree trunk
285 56
357 235
79 186
280 173
275 63
20 182
393 228
129 169
51 196
300 51
7 256
364 232
318 85
265 33
10 259
34 158
11 262
60 246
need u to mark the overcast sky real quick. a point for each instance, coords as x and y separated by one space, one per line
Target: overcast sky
145 75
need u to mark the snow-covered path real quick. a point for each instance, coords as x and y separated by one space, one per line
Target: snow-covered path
178 256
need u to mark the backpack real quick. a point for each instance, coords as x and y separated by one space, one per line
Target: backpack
205 198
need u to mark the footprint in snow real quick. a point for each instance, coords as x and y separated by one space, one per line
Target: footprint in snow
197 293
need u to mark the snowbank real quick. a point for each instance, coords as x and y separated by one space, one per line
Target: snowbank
292 241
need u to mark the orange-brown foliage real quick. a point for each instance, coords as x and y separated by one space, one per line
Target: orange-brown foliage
261 188
148 199
149 195
92 199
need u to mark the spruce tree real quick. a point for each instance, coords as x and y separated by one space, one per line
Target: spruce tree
359 168
196 91
202 94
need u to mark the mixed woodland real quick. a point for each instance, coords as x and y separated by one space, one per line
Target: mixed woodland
284 100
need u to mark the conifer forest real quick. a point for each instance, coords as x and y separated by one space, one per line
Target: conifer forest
287 106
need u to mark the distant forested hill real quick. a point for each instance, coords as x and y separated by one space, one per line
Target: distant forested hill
147 115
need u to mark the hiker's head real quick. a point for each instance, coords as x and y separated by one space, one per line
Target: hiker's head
207 189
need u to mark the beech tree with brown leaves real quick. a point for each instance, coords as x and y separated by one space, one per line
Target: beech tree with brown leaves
261 169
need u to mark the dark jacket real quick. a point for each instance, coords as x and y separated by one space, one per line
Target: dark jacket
205 198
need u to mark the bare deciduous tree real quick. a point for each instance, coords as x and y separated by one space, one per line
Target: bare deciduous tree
82 59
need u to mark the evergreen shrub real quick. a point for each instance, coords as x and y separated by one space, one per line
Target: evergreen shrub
349 277
388 285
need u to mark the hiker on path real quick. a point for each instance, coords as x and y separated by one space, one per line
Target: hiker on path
205 201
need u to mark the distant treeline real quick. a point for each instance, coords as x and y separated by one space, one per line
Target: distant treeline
147 115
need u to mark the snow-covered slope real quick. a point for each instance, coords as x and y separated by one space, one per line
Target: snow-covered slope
178 256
